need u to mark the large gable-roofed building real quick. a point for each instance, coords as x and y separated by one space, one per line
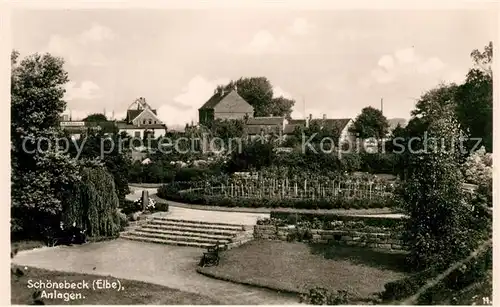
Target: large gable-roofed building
225 105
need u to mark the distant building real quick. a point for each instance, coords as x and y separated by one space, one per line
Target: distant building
225 105
77 128
340 125
141 121
265 126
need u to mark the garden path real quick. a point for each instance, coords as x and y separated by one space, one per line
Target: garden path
170 266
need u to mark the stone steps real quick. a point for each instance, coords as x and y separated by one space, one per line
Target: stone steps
192 229
187 233
182 232
197 222
163 241
166 222
180 237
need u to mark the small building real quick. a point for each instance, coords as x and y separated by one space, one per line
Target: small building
225 105
338 125
141 121
77 128
265 126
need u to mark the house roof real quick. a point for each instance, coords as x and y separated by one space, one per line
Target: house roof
217 97
290 128
297 121
265 121
258 129
393 123
131 114
337 123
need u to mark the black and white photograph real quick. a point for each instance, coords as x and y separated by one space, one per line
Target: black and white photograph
251 153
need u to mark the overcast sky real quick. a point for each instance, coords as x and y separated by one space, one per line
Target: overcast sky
336 61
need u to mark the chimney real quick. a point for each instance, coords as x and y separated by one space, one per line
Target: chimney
324 116
222 92
308 120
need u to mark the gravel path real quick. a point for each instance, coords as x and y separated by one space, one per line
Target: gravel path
171 266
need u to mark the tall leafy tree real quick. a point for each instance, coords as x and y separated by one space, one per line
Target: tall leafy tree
436 229
39 176
474 98
371 123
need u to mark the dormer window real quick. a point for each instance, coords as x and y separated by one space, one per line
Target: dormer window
150 122
144 122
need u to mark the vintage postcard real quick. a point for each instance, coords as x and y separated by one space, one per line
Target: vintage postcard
251 153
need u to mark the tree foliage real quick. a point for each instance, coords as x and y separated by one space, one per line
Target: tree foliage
92 204
439 228
371 123
39 177
474 99
96 117
258 92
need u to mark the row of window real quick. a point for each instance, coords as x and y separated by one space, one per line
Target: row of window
150 122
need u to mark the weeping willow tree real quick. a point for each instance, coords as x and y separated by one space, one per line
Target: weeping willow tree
93 203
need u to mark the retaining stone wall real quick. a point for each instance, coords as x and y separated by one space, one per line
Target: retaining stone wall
375 240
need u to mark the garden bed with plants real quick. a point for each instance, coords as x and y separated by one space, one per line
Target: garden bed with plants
187 197
358 274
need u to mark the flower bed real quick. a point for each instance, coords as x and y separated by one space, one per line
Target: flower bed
322 220
170 193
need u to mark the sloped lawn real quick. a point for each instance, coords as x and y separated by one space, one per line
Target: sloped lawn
134 292
297 267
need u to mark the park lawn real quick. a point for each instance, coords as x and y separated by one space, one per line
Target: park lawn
134 292
297 267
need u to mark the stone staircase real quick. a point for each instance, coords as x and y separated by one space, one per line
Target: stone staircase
188 232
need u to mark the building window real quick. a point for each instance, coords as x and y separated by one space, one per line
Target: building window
144 122
137 134
150 122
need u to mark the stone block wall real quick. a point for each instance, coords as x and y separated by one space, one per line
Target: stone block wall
374 240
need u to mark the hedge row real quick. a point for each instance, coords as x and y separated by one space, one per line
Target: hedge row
170 193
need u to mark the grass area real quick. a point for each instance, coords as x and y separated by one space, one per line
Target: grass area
26 245
297 267
133 293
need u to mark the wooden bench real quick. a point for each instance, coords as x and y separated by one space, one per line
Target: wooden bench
211 257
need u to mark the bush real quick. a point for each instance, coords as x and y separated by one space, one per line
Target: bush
123 220
379 163
322 296
161 206
129 207
404 288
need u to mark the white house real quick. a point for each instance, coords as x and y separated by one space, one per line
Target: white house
141 121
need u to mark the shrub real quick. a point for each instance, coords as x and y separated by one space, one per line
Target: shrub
161 206
322 296
123 220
